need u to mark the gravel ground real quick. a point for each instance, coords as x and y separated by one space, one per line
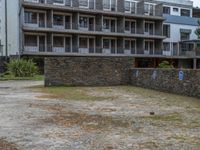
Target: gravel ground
31 120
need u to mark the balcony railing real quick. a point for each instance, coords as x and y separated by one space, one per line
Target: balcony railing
105 7
94 50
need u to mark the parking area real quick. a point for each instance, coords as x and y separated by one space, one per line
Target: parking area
95 118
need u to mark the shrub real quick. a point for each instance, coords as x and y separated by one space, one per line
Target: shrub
22 68
165 64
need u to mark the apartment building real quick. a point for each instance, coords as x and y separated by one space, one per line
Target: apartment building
179 29
91 27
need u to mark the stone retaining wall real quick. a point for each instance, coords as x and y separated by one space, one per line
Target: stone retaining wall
85 71
185 82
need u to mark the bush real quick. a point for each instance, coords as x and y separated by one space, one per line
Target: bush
165 64
22 68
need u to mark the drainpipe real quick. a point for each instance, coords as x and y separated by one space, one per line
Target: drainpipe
6 30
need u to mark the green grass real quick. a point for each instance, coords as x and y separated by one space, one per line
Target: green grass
73 93
11 77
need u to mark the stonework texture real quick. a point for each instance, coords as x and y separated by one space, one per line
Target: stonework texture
185 82
87 71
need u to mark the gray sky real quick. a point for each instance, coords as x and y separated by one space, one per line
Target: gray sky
196 3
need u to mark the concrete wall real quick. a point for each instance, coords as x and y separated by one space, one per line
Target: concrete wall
12 26
168 80
85 71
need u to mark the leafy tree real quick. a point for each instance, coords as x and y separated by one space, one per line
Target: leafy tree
165 64
197 32
22 68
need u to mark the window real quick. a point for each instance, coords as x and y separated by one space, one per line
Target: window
127 6
149 28
185 36
149 46
106 24
59 1
106 4
166 10
127 25
30 40
106 43
149 9
83 3
30 17
130 6
127 45
83 42
185 12
58 41
166 46
83 21
166 30
175 9
58 20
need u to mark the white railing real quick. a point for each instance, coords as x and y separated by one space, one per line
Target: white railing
58 49
31 48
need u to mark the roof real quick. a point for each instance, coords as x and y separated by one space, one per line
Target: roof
181 20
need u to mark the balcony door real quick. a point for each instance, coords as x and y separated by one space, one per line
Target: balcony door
113 46
42 20
149 47
42 43
67 44
91 45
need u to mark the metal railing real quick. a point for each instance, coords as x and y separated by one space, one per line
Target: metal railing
93 50
140 10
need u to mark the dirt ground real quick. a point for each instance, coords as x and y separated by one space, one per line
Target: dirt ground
95 118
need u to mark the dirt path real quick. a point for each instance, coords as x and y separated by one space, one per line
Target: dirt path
31 120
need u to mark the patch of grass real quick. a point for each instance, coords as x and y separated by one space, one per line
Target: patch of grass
168 99
72 93
11 77
173 117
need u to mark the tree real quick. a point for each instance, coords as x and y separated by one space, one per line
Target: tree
197 32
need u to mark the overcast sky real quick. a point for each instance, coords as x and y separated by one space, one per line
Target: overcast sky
196 3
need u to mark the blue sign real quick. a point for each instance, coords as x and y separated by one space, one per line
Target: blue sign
154 75
137 74
181 75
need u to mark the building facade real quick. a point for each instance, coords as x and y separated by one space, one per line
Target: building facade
100 27
88 27
180 26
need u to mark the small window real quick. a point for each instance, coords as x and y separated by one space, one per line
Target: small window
83 3
127 45
83 42
58 20
30 17
166 46
185 12
185 36
175 9
59 1
106 43
127 5
58 41
166 30
83 21
127 25
30 40
106 23
166 10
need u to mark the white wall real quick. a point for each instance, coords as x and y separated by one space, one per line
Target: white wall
179 10
175 32
12 26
